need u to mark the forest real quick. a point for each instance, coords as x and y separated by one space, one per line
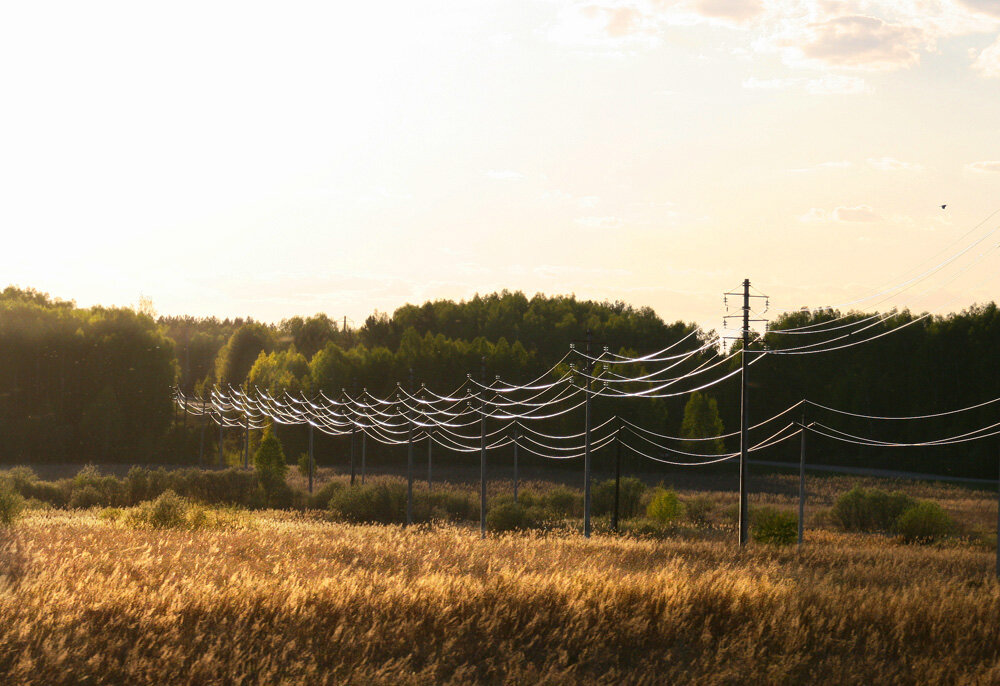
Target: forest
94 384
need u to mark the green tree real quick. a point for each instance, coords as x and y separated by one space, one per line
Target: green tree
269 462
701 420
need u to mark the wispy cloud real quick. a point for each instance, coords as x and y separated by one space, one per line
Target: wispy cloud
988 61
860 213
985 167
892 164
600 222
504 175
832 164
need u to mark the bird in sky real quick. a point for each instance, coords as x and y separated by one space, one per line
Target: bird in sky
943 206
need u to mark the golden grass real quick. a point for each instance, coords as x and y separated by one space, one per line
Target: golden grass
295 600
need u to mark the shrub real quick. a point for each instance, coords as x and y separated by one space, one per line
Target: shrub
699 508
563 502
382 503
269 462
509 516
629 497
664 507
862 509
925 522
774 526
167 511
321 497
303 463
11 505
86 496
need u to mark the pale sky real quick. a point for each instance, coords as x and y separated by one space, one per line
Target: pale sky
290 158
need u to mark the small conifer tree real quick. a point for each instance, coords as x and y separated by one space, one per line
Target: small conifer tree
701 420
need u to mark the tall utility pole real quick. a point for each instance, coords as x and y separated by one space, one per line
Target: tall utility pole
586 442
246 441
744 408
618 475
744 422
515 463
311 462
409 463
482 451
802 479
430 446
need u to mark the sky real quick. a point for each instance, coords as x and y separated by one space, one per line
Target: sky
280 159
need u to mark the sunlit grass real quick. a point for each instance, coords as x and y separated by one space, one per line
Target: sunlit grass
294 599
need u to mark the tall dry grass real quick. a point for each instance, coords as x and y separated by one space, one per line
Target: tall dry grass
289 599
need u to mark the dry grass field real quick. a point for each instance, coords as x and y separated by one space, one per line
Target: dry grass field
285 597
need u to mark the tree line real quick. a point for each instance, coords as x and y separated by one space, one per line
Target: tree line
93 384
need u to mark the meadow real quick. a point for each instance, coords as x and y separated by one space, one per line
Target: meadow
96 595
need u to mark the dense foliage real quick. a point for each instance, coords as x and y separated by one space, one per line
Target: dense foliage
93 384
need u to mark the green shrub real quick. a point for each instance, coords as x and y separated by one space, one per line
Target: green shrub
699 508
381 503
21 478
12 505
303 463
321 497
925 522
563 502
629 497
770 525
269 462
54 494
86 496
664 507
863 509
167 511
508 516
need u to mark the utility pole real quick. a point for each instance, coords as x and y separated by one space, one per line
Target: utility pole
430 446
353 441
409 462
515 463
482 450
586 442
744 516
222 458
744 422
998 519
618 474
246 441
364 446
802 479
311 462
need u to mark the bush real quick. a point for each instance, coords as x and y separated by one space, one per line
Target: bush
269 462
303 463
699 508
168 511
629 497
380 503
664 507
562 502
86 496
11 505
322 496
770 525
925 522
869 510
508 516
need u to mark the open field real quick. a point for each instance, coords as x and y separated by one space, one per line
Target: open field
289 597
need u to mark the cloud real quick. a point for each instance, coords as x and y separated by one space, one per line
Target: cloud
892 164
837 84
599 222
737 11
991 7
504 175
861 42
832 164
861 213
830 84
988 62
986 166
